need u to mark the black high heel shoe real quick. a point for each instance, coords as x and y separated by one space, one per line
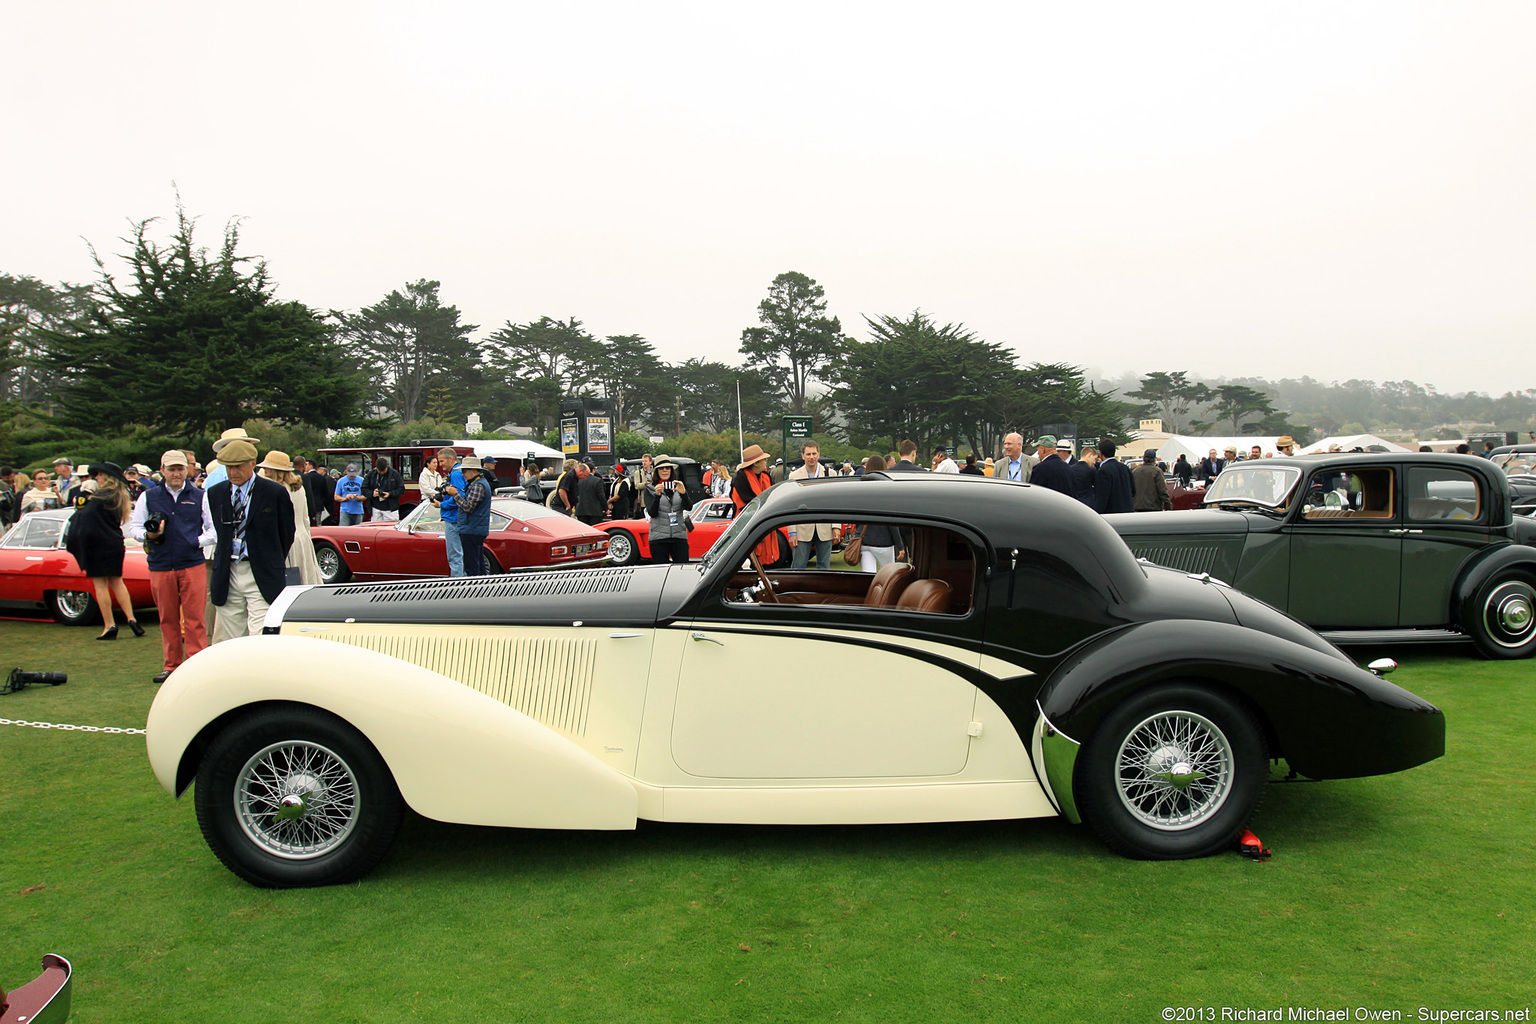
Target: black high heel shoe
133 624
110 634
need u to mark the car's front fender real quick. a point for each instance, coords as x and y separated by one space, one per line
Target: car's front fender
456 754
1482 568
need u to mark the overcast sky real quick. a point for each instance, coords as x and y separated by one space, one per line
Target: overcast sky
1333 189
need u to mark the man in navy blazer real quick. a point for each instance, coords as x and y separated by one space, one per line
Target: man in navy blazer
253 517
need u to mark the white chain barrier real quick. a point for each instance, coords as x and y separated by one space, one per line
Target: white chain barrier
71 728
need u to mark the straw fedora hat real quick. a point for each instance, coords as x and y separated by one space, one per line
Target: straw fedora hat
233 434
276 460
751 455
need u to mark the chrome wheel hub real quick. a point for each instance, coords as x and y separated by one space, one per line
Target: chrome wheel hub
1510 613
330 563
1174 770
619 548
296 800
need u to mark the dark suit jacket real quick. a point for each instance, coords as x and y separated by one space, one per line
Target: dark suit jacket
1113 487
906 466
268 535
1084 480
1053 473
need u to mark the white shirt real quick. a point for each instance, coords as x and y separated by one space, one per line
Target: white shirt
946 465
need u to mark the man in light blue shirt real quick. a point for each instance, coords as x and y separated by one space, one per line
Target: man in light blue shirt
349 491
1015 465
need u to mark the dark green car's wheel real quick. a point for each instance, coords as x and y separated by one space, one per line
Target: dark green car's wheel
1176 771
1503 618
293 796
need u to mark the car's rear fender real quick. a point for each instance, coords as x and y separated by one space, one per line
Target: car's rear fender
456 754
1492 561
1325 716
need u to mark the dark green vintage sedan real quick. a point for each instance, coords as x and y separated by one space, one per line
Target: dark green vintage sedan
1375 547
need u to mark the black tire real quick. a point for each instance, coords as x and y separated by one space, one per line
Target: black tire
492 567
73 607
1502 617
333 567
1124 784
347 821
628 547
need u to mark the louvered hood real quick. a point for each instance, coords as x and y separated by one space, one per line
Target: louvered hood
597 597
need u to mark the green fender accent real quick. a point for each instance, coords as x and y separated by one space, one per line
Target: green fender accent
1059 752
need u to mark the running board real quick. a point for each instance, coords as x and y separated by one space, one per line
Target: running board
1393 636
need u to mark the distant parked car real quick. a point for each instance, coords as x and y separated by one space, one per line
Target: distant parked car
630 539
1518 461
1374 547
523 536
36 573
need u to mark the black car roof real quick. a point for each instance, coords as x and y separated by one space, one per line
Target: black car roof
1006 513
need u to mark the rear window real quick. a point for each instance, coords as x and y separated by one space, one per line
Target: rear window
1436 494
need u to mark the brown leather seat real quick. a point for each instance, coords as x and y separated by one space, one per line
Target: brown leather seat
888 585
925 596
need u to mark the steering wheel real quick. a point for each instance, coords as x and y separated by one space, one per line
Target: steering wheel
768 595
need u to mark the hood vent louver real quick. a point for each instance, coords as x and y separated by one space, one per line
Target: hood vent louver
1187 559
482 588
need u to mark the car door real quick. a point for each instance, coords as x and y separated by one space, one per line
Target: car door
825 691
1447 521
415 546
1346 541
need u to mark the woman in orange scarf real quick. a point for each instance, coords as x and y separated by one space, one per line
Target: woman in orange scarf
752 479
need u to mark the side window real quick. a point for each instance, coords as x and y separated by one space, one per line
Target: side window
43 533
1344 493
899 568
1437 494
427 519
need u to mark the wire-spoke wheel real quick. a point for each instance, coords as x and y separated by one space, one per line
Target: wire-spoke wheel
73 607
622 548
333 568
1175 771
292 796
1504 623
296 799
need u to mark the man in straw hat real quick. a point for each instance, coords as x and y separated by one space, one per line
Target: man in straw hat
253 517
174 550
216 471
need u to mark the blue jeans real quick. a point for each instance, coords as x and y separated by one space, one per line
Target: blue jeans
455 548
351 518
802 554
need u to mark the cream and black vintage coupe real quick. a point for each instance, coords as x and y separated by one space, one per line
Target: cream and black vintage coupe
1021 663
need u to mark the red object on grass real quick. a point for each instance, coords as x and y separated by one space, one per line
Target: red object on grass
1249 846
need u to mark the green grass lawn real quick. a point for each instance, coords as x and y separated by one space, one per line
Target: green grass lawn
1390 893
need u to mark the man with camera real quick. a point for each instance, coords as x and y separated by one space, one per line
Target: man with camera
173 522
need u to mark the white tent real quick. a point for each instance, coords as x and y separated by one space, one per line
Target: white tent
508 448
1171 446
1347 442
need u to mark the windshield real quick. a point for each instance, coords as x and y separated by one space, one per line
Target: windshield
738 526
1267 485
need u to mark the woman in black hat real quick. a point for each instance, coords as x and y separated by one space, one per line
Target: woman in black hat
95 538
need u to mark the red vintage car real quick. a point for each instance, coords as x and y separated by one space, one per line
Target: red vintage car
36 573
631 538
523 536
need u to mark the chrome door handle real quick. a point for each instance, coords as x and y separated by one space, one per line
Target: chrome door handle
623 636
708 639
1405 531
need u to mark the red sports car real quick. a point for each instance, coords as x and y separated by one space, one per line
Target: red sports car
36 572
523 536
631 538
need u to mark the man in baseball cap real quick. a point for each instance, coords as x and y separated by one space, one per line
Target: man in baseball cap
182 524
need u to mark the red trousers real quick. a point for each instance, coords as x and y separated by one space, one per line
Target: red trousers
180 595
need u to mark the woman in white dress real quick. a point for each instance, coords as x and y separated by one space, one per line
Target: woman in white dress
301 556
